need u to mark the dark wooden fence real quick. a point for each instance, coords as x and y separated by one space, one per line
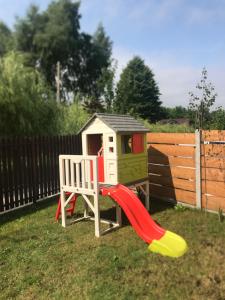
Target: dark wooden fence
29 168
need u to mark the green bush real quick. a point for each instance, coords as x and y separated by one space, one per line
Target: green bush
168 127
27 104
73 117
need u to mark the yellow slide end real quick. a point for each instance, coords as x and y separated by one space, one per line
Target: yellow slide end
170 244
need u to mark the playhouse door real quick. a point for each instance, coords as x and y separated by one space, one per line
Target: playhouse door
101 172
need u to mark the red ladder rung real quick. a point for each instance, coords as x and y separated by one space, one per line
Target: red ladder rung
68 210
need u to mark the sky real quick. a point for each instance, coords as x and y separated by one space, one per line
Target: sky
176 38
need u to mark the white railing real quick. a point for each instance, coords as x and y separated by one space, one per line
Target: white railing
75 174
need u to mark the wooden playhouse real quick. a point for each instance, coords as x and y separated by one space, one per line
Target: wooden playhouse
120 141
114 151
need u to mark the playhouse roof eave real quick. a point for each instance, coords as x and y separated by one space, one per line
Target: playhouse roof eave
118 123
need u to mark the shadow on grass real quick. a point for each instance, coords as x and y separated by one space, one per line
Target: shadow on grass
109 213
27 210
156 206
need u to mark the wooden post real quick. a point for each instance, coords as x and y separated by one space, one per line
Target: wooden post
63 209
147 201
118 215
85 209
58 83
198 168
62 193
96 197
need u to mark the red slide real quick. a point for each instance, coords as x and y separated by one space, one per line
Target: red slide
137 214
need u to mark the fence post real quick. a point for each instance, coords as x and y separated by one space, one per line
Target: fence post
198 176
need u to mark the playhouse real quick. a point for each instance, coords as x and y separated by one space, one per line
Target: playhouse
120 143
114 162
113 151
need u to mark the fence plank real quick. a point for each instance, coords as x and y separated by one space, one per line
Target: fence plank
26 174
51 164
167 171
1 177
178 183
34 168
170 193
43 167
5 174
171 150
213 150
213 135
10 174
21 170
53 158
213 174
209 187
171 138
172 160
30 172
16 171
213 202
39 165
48 145
56 168
213 162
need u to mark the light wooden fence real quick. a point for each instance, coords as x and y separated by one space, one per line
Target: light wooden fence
188 168
213 169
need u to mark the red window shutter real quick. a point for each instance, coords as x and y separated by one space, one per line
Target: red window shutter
138 143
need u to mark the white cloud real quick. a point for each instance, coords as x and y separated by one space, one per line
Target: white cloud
205 14
152 12
175 80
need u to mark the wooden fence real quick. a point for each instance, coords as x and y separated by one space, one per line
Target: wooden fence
188 168
29 168
213 170
183 167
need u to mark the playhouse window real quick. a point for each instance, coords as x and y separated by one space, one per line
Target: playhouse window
132 143
110 139
94 143
126 142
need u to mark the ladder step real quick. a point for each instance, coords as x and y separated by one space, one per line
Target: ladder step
70 209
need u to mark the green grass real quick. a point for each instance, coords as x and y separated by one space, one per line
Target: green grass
41 260
168 127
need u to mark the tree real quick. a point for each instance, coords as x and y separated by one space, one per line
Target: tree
72 119
49 37
6 40
27 105
106 85
177 112
103 44
137 91
26 30
201 103
54 35
92 104
218 119
101 92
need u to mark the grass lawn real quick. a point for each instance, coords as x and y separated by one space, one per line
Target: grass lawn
41 260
